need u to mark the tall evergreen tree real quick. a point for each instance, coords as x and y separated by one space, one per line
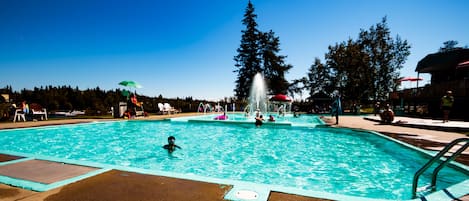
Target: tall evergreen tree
359 78
335 60
386 57
248 61
297 86
274 67
448 46
350 70
318 78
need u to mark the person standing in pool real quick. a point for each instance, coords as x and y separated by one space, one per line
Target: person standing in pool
259 120
171 146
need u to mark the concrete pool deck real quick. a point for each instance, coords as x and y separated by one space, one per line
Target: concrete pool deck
409 128
122 185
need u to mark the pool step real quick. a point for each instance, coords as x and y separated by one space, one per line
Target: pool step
43 175
425 189
247 193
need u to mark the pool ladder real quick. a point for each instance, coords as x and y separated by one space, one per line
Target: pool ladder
436 158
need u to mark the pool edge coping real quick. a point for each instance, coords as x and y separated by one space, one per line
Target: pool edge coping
291 190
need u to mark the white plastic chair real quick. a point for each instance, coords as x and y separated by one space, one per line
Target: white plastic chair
167 108
19 114
42 113
161 108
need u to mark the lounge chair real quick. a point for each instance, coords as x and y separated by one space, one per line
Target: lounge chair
169 109
38 110
161 108
19 114
139 112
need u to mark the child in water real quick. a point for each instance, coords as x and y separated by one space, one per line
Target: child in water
271 118
171 146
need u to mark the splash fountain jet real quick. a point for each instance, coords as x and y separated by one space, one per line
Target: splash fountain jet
257 95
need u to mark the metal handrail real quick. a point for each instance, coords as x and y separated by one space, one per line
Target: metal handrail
451 158
436 158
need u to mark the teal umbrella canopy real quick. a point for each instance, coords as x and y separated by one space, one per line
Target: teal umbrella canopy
128 83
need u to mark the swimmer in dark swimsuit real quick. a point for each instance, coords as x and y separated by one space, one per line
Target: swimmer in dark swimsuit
171 146
259 121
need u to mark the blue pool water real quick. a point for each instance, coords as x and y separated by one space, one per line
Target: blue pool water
332 160
280 120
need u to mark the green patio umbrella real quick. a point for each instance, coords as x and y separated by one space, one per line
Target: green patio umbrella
128 83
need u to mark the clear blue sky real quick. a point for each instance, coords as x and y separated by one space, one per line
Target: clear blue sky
186 48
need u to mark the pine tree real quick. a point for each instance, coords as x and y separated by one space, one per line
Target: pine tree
274 66
318 79
336 62
248 61
448 46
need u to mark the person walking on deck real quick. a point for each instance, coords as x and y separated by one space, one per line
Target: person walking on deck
336 108
446 105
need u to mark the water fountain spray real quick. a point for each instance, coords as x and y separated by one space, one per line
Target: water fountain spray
257 95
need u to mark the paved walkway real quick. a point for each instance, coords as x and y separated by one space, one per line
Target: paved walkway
133 186
453 126
419 132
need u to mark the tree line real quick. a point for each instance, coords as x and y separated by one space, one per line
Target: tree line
360 70
94 101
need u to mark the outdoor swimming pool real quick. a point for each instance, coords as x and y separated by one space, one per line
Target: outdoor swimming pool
339 161
287 120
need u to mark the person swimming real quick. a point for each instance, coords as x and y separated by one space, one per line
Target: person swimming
222 117
259 120
171 146
271 118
